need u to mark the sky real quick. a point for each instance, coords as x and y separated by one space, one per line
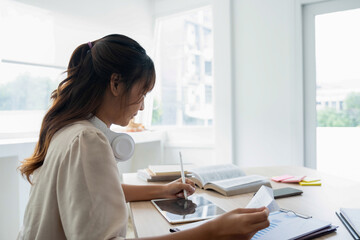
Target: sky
337 46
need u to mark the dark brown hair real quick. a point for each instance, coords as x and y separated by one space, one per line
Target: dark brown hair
88 76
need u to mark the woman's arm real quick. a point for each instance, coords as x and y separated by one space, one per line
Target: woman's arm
237 224
147 192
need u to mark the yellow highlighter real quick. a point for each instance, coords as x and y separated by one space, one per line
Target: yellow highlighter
312 183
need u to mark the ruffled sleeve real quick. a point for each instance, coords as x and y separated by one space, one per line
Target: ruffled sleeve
90 198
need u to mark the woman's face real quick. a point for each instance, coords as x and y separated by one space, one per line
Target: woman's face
135 103
113 110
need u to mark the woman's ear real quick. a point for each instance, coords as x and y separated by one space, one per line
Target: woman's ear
115 84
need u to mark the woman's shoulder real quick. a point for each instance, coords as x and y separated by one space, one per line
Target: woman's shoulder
74 131
77 128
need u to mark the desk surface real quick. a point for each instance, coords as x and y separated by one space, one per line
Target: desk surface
318 201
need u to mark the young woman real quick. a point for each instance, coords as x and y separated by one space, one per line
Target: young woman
76 193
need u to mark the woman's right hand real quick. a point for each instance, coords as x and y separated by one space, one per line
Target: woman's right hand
241 223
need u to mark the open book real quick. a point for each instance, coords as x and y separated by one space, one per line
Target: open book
227 179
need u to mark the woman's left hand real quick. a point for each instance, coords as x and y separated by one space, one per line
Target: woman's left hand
176 188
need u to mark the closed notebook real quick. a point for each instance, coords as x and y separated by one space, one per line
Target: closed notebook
168 170
352 216
147 176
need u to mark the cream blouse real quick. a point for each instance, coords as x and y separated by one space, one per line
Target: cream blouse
76 194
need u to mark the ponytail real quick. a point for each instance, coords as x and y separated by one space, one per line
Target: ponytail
81 93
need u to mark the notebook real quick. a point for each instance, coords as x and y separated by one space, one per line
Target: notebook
350 217
287 225
284 226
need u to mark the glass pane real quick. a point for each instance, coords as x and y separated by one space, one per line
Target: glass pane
184 59
27 33
25 95
338 92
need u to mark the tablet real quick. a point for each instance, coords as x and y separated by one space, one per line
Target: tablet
180 210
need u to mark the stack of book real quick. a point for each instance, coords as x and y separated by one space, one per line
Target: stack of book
159 173
350 217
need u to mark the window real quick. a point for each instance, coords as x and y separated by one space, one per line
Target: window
36 45
25 95
184 57
27 78
332 65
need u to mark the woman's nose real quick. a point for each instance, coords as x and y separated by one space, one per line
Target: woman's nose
142 106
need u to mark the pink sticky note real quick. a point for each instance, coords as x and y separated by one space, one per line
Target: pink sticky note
295 179
281 178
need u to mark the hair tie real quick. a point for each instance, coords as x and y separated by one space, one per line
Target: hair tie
90 45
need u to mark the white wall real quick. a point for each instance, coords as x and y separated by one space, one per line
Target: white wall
268 112
9 218
14 190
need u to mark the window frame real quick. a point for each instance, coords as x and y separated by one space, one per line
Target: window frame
309 12
223 98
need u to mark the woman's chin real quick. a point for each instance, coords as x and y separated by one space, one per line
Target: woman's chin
122 123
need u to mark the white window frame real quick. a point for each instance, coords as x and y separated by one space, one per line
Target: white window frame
309 11
223 137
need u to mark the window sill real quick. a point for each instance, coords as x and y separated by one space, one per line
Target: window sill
11 141
148 136
197 145
139 137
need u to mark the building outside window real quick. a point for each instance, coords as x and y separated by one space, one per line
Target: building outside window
184 58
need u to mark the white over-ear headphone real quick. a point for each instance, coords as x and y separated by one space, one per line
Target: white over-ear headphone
121 143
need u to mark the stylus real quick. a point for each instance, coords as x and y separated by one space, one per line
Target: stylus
182 174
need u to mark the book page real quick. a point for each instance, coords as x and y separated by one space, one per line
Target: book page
282 226
289 226
264 197
228 184
217 172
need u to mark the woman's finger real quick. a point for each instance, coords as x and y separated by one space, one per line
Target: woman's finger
249 210
261 225
188 188
189 181
254 218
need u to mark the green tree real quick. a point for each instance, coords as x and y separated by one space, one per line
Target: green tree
4 97
329 117
352 101
349 117
157 112
352 108
26 93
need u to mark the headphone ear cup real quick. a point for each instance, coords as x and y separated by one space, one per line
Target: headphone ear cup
123 147
122 144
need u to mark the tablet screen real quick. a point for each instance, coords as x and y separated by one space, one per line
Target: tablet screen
180 210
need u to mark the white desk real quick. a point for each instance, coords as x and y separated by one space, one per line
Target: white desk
318 201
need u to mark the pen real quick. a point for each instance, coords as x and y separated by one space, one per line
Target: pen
182 174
